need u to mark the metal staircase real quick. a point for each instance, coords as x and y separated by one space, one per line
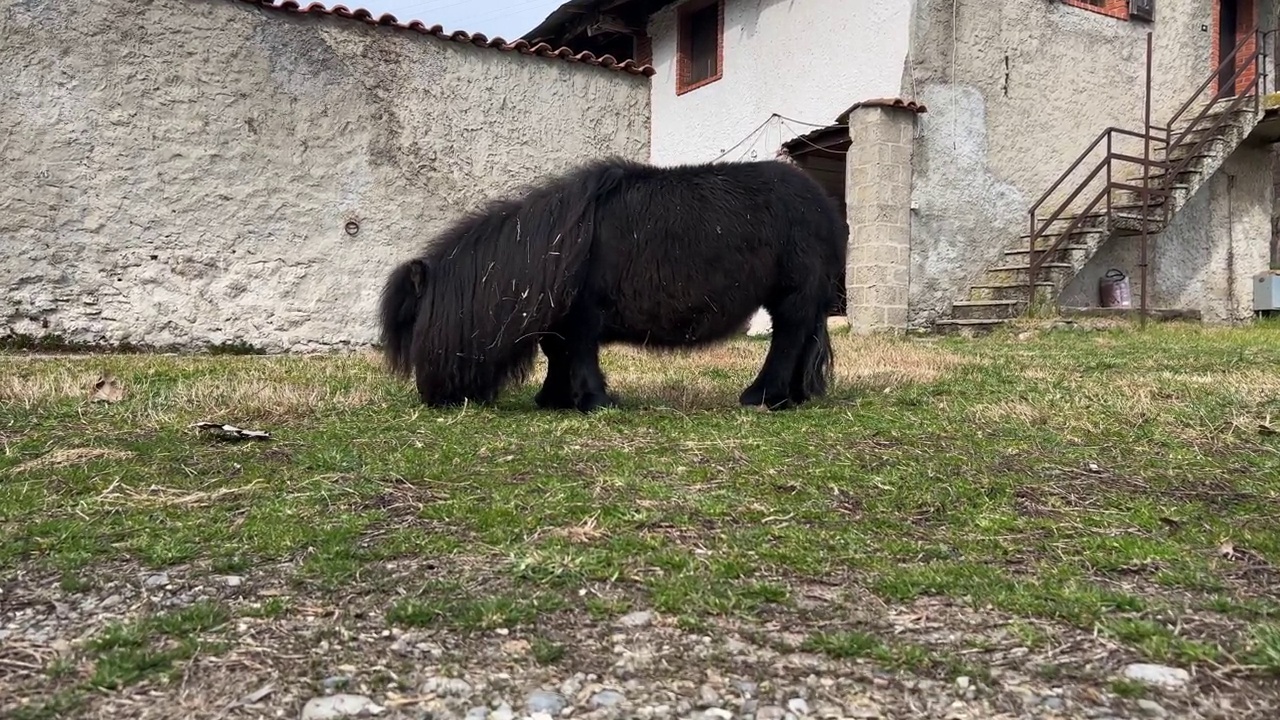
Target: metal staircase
1135 189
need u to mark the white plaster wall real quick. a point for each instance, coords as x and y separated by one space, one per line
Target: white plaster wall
804 59
180 172
1015 91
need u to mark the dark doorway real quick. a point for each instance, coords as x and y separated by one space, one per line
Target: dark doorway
821 153
1228 31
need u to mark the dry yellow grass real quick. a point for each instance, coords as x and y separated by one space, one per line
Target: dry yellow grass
696 379
71 456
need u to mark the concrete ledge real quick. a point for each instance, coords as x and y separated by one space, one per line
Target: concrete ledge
1158 314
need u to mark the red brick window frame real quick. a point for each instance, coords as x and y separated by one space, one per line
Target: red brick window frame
1118 9
699 44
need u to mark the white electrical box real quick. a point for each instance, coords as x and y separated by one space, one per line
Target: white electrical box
1266 291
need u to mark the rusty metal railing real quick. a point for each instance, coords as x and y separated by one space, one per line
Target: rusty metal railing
1154 137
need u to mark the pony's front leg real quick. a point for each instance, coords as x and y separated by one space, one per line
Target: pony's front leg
556 392
587 385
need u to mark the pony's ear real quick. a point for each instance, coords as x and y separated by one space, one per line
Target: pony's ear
417 275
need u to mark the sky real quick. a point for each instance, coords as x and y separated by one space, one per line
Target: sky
506 18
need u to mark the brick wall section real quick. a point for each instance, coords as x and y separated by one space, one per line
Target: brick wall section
1118 9
878 200
1248 20
643 53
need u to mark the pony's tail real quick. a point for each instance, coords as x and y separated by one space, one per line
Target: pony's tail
818 360
400 302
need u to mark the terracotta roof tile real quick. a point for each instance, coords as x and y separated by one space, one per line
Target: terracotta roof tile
478 39
895 102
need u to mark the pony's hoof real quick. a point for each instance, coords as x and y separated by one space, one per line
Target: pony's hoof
553 401
756 397
592 403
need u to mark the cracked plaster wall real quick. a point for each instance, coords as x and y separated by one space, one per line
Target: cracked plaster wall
181 172
1015 92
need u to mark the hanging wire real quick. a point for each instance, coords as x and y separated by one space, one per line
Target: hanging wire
810 143
781 121
750 135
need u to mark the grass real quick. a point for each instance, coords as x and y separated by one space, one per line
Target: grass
1086 480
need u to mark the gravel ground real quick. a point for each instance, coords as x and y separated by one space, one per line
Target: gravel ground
333 655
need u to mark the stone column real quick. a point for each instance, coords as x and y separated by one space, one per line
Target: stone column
878 196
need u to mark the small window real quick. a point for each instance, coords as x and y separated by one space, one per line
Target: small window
700 45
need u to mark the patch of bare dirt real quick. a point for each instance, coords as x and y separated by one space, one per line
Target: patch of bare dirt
284 646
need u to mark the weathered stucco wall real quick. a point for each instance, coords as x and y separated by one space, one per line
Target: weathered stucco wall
1206 259
1015 92
183 172
808 60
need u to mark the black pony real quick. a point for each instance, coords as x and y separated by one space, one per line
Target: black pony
618 251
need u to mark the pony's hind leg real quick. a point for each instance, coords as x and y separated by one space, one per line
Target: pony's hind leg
792 323
556 392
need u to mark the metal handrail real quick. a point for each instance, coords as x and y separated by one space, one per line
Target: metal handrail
1207 82
1039 230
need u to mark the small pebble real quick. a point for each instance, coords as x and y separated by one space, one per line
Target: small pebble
542 701
338 706
708 697
1157 674
636 619
770 712
157 580
446 687
503 712
1154 709
335 681
717 714
233 580
606 699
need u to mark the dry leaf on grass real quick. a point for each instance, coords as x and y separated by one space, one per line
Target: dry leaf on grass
231 432
107 389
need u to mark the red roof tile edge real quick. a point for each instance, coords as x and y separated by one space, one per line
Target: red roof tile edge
478 39
895 102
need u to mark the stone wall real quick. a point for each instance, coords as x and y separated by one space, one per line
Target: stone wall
195 172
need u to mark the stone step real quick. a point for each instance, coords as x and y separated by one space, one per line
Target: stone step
986 309
1023 251
974 327
987 291
1019 274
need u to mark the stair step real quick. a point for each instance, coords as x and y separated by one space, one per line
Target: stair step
1078 231
975 327
1070 218
985 309
1061 248
989 291
1017 268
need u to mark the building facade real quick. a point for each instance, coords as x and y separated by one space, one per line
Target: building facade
941 123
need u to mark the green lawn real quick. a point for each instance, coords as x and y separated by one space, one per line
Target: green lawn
1115 482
